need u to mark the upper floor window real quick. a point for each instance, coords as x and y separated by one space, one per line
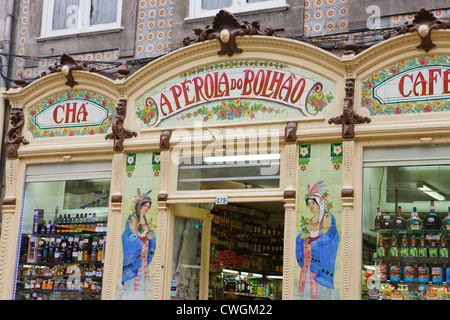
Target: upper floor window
68 17
209 8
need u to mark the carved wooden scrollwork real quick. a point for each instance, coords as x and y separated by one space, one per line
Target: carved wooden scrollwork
225 29
119 133
66 65
424 21
14 135
349 117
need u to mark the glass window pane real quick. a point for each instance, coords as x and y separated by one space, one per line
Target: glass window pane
216 4
103 11
65 14
62 239
405 223
229 172
253 1
187 240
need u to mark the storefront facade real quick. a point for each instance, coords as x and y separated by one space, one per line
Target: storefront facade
231 165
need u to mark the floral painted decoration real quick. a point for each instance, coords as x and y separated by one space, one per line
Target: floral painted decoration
107 104
304 156
369 102
336 155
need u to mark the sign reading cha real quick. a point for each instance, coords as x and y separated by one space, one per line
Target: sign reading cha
71 113
277 86
423 83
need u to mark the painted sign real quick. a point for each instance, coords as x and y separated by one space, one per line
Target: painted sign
420 84
237 90
71 113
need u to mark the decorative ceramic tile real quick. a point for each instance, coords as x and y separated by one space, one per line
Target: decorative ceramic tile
416 85
324 17
236 91
71 113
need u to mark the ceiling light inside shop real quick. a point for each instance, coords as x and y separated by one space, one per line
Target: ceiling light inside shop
429 190
250 157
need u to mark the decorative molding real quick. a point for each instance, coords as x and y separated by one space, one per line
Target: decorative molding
162 197
349 117
164 141
14 135
66 65
117 198
119 133
290 132
9 201
225 29
423 23
348 193
291 194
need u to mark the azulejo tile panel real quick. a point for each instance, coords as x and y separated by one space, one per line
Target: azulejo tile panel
237 91
71 113
417 85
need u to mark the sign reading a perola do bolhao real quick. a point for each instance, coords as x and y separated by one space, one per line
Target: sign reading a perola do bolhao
71 113
237 91
416 85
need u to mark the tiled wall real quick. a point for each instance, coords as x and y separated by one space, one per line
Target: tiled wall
142 170
320 162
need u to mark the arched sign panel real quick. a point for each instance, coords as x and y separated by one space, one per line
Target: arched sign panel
71 113
416 85
237 91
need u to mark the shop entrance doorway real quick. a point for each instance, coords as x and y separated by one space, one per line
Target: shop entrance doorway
232 251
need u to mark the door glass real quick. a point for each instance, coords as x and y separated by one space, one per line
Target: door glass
186 259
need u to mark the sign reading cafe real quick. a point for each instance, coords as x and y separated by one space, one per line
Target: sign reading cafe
236 90
416 85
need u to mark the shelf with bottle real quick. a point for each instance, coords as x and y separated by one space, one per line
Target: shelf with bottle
69 223
430 222
244 222
248 285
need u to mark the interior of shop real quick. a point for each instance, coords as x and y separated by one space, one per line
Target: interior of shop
405 231
246 253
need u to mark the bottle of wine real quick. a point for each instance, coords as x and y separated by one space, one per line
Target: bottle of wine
414 222
399 221
432 220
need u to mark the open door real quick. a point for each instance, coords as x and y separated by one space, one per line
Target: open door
190 241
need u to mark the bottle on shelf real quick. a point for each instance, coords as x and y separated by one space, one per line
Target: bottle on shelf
446 221
432 220
433 249
422 250
404 248
386 223
413 252
381 250
378 219
393 250
414 222
399 222
443 249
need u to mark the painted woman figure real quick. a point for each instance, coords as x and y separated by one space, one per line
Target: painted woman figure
317 244
139 243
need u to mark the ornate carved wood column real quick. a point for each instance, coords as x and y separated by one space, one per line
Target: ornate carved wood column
112 269
10 226
161 257
290 207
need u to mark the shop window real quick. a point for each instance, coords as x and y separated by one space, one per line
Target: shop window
229 172
246 252
209 8
63 232
69 17
406 212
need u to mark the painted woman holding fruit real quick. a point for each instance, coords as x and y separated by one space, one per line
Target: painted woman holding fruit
139 243
317 244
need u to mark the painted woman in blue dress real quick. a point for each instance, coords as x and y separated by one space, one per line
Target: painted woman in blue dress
139 244
316 247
